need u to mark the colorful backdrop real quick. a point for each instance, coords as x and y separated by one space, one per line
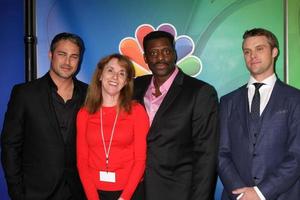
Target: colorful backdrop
215 28
208 33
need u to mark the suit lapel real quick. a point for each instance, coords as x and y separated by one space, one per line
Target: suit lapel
46 98
243 110
270 108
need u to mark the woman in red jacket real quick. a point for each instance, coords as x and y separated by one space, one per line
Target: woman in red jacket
111 134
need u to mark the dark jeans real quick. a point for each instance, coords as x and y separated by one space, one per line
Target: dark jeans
139 194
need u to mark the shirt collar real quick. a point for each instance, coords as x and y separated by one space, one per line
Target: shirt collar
270 81
54 87
167 84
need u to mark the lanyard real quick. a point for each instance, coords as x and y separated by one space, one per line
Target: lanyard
107 150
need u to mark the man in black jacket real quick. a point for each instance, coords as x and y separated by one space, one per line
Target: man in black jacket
39 134
183 137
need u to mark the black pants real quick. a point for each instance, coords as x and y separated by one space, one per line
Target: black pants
139 194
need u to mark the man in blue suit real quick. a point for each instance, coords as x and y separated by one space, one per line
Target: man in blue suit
259 153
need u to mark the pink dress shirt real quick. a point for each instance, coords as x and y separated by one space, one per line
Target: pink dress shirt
152 102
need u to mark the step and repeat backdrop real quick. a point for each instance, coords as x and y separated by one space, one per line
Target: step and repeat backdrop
208 34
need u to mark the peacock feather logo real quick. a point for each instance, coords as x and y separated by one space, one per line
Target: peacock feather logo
133 48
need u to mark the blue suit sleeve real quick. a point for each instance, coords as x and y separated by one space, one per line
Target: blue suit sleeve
226 168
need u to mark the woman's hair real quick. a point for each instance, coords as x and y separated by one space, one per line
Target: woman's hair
93 100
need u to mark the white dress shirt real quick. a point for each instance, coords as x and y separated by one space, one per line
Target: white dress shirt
265 91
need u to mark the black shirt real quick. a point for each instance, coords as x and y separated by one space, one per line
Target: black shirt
65 111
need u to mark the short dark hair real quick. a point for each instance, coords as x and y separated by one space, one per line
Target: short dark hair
68 36
156 35
272 40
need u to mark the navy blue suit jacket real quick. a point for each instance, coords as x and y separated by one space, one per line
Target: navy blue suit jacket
273 164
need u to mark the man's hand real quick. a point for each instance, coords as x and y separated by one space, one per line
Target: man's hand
248 193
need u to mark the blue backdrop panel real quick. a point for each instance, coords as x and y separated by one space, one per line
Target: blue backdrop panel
12 59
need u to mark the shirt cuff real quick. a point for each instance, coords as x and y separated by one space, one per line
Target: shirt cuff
261 196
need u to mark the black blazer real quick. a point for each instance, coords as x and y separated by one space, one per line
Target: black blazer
182 141
35 158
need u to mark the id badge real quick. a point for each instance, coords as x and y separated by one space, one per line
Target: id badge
107 176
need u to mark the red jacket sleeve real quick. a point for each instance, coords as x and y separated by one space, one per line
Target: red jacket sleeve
141 127
83 156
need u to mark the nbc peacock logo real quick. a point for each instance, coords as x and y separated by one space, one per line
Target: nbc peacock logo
133 48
